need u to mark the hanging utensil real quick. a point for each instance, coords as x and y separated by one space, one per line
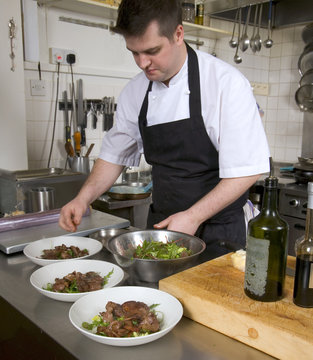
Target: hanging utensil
89 149
80 111
68 145
93 114
252 40
244 40
258 40
77 135
269 42
237 58
233 42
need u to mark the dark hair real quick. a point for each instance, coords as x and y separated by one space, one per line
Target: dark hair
134 16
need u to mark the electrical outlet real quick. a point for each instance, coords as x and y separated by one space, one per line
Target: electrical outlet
59 55
37 87
260 88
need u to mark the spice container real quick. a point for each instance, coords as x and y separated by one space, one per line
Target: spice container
188 12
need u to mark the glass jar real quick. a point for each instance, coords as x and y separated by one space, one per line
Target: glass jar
188 12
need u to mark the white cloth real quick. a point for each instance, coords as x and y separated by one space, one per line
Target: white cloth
229 111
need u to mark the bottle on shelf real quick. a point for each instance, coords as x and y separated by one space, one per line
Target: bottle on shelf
199 13
303 283
267 249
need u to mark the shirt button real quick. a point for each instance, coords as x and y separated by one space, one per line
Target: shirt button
187 92
154 97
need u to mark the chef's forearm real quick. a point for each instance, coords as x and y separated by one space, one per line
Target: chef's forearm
225 193
101 178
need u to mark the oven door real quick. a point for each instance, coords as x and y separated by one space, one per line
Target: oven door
296 230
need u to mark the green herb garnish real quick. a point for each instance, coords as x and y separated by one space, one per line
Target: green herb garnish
160 250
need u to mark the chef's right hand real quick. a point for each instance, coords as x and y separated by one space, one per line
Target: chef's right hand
71 215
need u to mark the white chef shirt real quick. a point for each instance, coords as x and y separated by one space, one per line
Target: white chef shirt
229 112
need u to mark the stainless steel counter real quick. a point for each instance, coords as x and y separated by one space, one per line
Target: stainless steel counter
49 321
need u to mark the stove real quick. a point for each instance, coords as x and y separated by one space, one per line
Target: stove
292 207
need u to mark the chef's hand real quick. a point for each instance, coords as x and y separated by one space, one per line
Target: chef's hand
181 221
71 215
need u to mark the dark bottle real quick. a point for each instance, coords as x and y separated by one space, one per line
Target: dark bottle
303 285
267 249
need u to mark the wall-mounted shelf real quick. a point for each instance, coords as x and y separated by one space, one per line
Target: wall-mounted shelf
110 12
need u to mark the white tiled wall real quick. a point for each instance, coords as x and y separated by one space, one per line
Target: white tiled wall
105 67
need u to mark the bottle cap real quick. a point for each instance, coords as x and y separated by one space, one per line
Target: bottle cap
271 182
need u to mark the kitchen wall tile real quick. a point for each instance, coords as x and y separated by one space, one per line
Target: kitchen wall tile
272 103
273 89
274 76
276 50
274 63
284 89
277 36
288 35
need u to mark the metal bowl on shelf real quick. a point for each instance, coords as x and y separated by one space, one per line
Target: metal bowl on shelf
152 270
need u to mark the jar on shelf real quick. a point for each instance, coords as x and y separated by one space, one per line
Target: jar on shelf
188 11
199 13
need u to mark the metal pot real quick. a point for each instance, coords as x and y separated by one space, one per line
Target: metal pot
128 196
149 270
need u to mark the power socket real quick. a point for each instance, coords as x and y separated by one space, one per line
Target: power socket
59 55
37 87
259 88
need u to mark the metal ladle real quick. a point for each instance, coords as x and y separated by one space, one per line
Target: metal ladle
233 42
269 42
245 41
252 40
237 58
257 39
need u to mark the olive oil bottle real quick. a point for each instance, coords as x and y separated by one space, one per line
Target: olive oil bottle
267 248
303 285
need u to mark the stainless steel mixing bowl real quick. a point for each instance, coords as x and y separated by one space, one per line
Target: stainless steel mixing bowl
149 270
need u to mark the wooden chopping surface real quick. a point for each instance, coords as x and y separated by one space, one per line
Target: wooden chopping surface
212 294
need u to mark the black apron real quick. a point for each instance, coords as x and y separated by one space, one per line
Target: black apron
185 167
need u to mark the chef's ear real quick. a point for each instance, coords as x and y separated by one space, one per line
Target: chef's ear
179 34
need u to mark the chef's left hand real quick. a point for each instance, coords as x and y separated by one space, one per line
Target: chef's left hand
181 222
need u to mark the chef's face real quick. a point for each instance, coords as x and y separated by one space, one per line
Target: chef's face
159 57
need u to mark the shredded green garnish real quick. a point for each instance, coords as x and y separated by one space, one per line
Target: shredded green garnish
160 250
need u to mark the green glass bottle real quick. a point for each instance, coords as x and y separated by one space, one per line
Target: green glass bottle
303 284
267 249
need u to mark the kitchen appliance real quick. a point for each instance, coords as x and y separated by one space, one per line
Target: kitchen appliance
16 186
212 294
292 208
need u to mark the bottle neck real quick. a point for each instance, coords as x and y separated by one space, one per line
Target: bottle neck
269 205
309 218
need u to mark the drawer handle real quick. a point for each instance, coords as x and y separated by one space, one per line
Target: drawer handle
299 227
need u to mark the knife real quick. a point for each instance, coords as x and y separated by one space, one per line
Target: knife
80 111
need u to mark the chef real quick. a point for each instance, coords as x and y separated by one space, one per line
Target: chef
195 119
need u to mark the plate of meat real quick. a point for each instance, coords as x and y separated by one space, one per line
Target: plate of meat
61 248
70 280
126 315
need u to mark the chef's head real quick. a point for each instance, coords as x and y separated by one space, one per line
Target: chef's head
154 34
134 17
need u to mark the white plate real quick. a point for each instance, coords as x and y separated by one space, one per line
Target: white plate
35 249
47 274
85 308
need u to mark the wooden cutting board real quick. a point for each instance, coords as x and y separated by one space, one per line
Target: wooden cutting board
212 294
